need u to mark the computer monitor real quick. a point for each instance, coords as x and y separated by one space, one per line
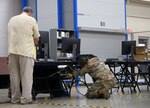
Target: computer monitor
43 45
129 47
71 45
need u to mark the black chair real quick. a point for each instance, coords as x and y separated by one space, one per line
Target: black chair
74 81
117 73
42 77
48 79
144 73
128 79
124 77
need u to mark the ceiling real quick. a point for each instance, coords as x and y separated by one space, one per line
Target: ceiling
139 1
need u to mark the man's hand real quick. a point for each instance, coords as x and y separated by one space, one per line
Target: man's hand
68 69
36 40
70 75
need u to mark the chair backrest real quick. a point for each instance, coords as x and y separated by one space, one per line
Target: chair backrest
112 60
145 68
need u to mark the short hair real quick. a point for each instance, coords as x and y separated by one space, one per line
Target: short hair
83 59
27 9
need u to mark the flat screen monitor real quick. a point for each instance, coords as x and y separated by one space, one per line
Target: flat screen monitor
44 37
128 47
70 44
43 45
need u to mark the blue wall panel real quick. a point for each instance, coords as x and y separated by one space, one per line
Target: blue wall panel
75 18
60 17
24 3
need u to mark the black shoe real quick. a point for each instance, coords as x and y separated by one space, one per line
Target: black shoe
23 103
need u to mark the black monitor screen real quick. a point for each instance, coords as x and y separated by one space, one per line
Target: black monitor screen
67 45
43 45
44 37
128 47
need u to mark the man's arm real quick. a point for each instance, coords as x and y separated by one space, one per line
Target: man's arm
36 33
36 40
80 72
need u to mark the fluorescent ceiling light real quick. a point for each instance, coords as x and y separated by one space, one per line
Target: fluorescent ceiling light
146 0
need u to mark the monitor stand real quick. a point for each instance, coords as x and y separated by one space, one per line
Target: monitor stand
45 51
132 54
74 51
130 57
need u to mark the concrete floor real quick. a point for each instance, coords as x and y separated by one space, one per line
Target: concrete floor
117 100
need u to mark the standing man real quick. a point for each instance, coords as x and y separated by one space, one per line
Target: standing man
23 36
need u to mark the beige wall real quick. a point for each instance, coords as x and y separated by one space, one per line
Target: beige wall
138 20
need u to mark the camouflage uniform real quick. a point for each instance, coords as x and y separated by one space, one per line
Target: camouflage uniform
102 77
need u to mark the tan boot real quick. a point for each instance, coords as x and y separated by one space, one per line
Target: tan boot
91 95
104 93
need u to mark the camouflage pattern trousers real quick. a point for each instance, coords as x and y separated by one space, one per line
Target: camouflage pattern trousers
100 89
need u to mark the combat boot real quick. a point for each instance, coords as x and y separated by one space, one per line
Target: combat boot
91 95
104 93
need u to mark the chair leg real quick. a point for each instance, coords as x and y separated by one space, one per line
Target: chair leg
66 88
33 94
51 95
73 81
48 88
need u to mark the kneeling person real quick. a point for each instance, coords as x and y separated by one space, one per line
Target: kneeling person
103 78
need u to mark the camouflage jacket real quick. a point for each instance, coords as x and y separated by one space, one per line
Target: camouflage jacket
96 69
